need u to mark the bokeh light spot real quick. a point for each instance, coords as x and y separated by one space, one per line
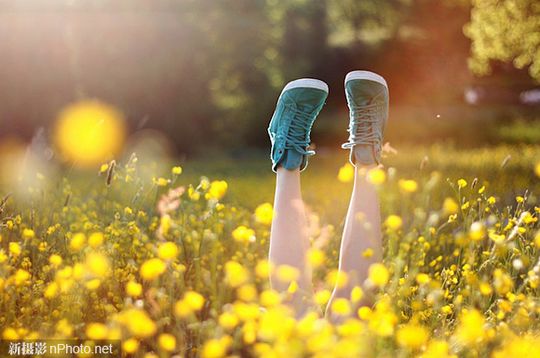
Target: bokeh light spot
89 132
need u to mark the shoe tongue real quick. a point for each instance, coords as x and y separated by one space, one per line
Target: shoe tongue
363 154
292 159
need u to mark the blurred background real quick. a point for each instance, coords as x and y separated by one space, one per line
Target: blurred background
203 76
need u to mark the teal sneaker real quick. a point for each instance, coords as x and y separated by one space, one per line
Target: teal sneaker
297 108
367 97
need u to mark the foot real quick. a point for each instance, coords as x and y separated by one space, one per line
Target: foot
297 108
367 97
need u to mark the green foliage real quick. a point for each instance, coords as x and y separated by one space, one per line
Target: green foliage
505 30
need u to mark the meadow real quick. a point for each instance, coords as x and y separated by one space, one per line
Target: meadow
170 258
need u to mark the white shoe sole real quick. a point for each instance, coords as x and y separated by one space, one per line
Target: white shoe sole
365 75
306 83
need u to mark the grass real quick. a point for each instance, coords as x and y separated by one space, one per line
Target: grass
185 272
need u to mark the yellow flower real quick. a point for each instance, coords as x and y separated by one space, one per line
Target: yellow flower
367 253
89 132
408 185
412 336
477 231
167 342
194 300
485 289
322 297
264 214
462 183
378 274
263 268
394 222
228 320
537 169
96 331
93 284
51 290
502 282
133 289
437 349
152 269
14 248
376 176
28 234
167 251
422 278
356 294
382 320
450 206
95 239
287 273
77 241
216 348
247 293
217 189
524 346
235 274
346 173
138 323
337 278
130 345
316 257
10 333
177 170
97 264
243 234
470 330
270 298
537 239
364 313
341 307
21 277
161 181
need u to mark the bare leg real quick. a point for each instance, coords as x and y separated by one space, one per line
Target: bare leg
289 241
362 231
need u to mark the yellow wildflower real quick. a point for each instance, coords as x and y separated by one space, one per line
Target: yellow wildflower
346 173
133 289
95 239
14 248
316 257
77 241
376 176
216 348
167 250
264 214
177 170
130 345
470 330
378 274
97 264
217 189
243 234
97 331
28 234
393 222
152 269
408 185
235 274
450 206
167 342
138 323
412 336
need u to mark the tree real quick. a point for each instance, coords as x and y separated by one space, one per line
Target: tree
507 31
